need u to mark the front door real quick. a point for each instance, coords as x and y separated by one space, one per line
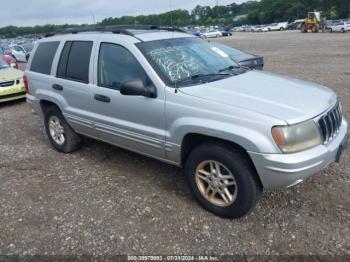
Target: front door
133 122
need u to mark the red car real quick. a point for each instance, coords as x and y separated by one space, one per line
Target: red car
8 59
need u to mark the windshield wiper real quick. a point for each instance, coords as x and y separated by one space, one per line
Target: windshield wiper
199 77
228 68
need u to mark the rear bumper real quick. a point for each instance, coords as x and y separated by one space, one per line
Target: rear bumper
285 170
35 104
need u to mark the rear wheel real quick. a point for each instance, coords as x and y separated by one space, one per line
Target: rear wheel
223 180
314 29
343 30
61 136
303 28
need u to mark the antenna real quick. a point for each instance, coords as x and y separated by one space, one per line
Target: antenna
171 13
172 26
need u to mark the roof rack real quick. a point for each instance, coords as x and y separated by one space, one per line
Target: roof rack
120 29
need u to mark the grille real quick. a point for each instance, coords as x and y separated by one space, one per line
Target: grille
330 123
5 84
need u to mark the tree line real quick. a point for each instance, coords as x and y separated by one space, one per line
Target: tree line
250 12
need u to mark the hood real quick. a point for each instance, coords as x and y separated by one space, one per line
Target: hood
10 74
281 97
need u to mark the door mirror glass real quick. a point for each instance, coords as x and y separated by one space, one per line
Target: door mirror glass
136 87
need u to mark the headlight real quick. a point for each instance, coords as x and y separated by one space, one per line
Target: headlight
296 138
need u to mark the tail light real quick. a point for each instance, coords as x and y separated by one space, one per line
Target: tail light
25 81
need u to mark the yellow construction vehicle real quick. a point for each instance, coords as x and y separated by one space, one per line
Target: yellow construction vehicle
313 22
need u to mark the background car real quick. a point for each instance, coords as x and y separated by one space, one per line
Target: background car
22 52
225 32
295 25
341 27
210 34
278 26
265 28
243 59
257 28
28 48
11 83
8 59
248 29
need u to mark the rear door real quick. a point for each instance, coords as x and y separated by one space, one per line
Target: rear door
73 83
133 122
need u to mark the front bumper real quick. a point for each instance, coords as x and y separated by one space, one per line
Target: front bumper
285 170
12 93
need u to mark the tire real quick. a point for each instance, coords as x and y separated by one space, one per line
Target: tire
71 141
281 29
343 31
245 193
303 28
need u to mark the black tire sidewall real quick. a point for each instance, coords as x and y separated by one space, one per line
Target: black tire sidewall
247 188
71 139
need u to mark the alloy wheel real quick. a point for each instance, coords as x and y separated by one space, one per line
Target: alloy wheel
216 183
56 130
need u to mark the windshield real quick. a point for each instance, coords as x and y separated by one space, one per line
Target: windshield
3 64
235 54
28 47
179 59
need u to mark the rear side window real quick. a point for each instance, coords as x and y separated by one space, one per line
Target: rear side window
75 60
43 57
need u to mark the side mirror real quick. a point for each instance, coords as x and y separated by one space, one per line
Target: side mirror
137 88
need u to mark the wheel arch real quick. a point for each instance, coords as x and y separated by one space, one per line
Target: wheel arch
192 140
45 104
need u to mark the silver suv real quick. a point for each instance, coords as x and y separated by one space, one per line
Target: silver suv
174 97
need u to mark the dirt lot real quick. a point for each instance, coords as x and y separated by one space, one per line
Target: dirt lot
105 200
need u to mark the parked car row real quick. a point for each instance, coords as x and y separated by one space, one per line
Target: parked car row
343 27
18 48
205 33
333 25
262 28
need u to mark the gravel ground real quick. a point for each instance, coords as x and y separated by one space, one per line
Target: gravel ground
103 200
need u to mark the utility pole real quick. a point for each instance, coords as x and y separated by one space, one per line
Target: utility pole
217 9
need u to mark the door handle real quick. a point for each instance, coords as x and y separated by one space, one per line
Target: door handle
57 87
102 98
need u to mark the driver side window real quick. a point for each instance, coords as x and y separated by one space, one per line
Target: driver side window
117 65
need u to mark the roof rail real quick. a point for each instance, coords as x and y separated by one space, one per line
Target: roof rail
119 29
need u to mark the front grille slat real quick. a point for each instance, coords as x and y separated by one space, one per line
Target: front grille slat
330 123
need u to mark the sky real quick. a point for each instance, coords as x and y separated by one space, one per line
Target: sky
39 12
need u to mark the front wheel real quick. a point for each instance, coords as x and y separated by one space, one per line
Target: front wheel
61 136
342 30
223 180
